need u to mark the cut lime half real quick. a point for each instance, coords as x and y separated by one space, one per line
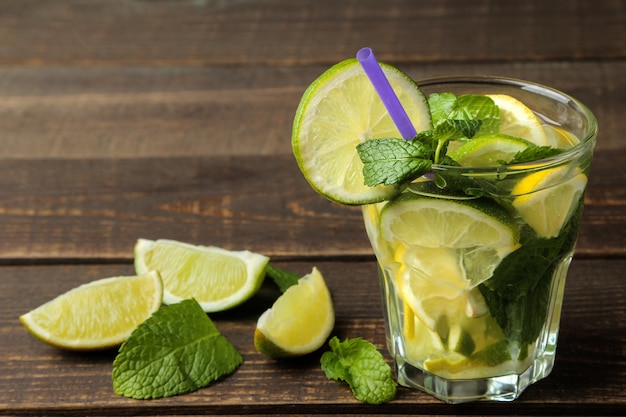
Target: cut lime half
416 220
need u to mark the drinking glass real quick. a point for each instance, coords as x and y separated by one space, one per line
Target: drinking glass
488 329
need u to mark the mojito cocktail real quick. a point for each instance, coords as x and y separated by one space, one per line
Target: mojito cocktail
473 220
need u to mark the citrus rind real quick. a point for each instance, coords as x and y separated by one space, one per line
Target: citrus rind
300 320
517 120
340 110
97 315
218 279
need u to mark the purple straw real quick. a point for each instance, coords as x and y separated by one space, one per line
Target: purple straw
381 84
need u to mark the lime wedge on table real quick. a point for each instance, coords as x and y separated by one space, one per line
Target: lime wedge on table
97 315
217 278
300 320
339 110
546 199
517 120
489 150
448 248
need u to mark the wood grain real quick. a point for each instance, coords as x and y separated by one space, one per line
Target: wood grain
95 210
172 119
272 32
589 376
165 112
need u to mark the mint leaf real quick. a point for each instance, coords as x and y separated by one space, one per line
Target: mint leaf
284 279
441 105
518 294
362 366
477 107
457 129
176 351
534 153
393 161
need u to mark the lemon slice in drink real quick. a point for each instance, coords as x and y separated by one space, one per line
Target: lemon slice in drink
97 315
300 320
217 278
339 110
546 199
448 247
489 150
446 293
517 120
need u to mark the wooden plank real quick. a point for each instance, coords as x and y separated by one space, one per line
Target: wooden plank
96 209
306 32
589 376
155 112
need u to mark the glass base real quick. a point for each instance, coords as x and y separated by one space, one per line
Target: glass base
454 391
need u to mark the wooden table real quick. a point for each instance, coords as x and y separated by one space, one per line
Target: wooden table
164 119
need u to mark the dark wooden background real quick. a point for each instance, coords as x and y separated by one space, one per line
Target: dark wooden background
153 119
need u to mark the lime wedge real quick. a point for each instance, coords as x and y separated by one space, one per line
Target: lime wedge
339 110
97 315
300 320
489 150
517 120
461 341
217 278
547 199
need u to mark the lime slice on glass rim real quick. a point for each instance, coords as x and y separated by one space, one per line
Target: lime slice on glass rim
339 110
218 279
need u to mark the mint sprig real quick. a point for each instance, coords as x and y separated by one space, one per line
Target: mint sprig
394 161
176 351
518 294
362 366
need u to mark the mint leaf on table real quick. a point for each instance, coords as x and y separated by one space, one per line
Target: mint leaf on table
284 279
393 161
176 351
362 366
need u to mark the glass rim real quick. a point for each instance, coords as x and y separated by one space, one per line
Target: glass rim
587 142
